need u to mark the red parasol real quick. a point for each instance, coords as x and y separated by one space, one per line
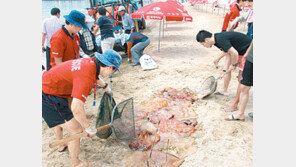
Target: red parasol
166 11
162 10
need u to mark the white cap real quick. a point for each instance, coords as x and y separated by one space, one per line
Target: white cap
121 8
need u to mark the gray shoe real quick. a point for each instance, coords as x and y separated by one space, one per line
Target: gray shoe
135 64
250 114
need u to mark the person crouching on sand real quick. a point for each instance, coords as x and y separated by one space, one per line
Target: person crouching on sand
74 79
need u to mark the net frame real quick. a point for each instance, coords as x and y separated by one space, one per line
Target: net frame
208 84
116 130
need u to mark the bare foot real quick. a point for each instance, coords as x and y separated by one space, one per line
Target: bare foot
84 164
216 64
62 148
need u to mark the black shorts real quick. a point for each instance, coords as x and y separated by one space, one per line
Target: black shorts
55 110
247 76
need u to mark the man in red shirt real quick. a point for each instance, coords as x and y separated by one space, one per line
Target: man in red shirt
74 79
232 14
65 42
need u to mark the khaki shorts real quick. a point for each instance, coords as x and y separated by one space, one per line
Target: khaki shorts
107 43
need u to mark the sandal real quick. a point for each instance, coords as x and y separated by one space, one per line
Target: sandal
233 118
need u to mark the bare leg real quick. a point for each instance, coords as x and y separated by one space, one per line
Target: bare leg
244 98
234 105
73 127
227 77
59 135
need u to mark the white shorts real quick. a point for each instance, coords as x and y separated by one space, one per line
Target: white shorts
107 43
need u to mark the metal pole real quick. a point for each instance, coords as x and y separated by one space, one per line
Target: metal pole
136 24
163 28
224 10
218 10
166 24
159 35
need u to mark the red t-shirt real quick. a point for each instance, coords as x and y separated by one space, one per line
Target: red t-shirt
73 78
230 16
63 45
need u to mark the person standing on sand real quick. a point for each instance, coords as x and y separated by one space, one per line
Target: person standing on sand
74 79
248 17
235 44
65 42
233 13
106 30
246 83
127 21
50 26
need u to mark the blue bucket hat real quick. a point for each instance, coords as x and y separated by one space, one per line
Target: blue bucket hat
76 18
110 58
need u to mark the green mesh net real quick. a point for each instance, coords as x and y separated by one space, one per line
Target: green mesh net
104 115
123 120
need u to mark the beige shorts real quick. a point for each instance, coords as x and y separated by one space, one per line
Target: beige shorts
107 43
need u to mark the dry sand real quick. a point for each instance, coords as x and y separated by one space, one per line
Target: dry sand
182 63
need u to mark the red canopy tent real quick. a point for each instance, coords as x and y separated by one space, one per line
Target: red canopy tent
166 11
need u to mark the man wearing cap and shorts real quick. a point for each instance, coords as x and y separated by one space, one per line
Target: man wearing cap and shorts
235 44
246 83
50 26
74 79
65 42
106 30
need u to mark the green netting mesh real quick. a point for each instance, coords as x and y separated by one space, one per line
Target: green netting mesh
123 120
104 115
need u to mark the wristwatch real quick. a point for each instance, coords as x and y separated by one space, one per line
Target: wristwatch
235 64
105 86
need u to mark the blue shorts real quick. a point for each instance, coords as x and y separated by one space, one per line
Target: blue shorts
55 110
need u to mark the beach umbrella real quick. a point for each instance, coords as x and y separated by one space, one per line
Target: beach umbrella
162 11
176 4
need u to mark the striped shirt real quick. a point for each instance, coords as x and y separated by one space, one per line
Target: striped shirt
50 26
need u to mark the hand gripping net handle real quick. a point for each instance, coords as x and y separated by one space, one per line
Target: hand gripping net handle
209 86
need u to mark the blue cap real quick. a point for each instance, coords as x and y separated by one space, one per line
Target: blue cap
76 18
110 58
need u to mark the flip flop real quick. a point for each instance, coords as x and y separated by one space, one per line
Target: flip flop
65 148
218 93
250 115
228 110
233 118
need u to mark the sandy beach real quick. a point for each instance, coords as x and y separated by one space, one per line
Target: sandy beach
182 62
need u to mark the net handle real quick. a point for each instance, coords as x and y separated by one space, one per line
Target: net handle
226 72
77 136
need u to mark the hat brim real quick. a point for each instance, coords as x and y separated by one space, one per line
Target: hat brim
105 61
75 22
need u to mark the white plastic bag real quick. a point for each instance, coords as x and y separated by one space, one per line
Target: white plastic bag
147 63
